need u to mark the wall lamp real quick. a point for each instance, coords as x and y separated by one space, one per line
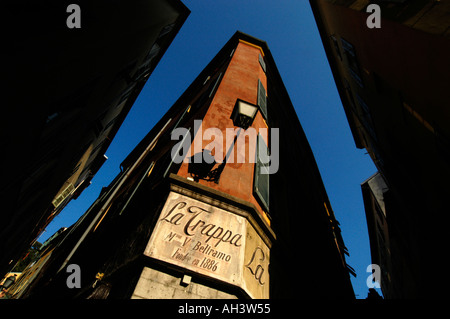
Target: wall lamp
243 115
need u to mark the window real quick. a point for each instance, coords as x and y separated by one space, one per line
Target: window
215 84
262 99
366 117
125 94
262 63
352 62
110 123
167 29
146 174
261 179
63 195
175 156
206 93
145 66
154 51
99 145
349 93
336 47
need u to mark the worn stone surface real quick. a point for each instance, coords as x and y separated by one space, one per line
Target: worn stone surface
199 237
212 242
154 284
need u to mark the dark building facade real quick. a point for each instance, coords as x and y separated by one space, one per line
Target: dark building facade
373 190
198 211
393 82
68 91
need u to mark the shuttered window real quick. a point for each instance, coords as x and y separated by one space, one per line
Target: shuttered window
261 179
262 99
215 84
352 62
263 64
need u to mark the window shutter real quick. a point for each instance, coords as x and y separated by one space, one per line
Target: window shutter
263 64
261 179
352 62
262 99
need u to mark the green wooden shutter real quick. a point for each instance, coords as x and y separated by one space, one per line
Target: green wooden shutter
262 99
261 179
262 63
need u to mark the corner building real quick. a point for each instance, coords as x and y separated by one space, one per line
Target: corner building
178 222
393 82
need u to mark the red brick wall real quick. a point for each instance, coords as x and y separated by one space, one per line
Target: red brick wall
240 81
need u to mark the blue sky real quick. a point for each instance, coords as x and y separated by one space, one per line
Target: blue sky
290 30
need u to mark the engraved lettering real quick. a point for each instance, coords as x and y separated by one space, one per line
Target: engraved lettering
190 218
255 266
175 219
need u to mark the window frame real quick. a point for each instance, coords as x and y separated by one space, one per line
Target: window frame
262 198
352 62
262 100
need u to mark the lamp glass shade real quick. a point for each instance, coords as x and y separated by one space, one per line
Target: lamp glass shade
243 114
247 109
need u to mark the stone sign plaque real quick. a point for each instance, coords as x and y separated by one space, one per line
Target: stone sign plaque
256 265
211 241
